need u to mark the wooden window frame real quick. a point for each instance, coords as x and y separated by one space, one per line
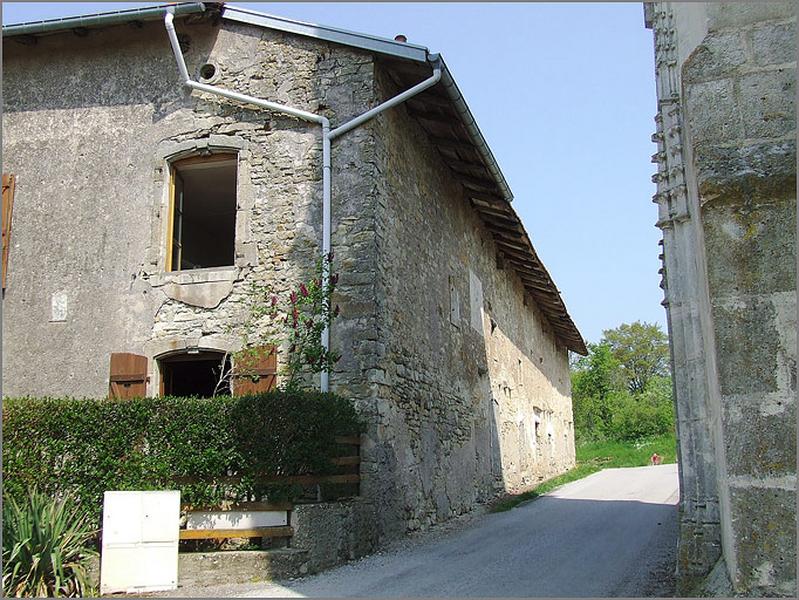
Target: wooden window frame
9 185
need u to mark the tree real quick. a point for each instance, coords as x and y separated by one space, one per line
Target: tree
595 387
622 389
642 352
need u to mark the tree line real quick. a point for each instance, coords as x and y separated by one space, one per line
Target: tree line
622 390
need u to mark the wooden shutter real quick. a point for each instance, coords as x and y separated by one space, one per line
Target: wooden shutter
8 204
128 377
256 372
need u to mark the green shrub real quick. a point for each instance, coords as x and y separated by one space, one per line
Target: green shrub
86 447
45 549
636 418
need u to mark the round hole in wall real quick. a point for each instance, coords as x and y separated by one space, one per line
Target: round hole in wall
207 71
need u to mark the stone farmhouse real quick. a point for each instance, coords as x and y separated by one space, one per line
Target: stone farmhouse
140 202
726 193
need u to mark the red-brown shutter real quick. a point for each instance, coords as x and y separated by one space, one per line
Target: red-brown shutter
128 377
8 205
255 372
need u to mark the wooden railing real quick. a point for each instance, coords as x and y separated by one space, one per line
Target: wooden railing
253 508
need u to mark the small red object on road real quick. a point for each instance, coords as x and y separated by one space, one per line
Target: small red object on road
655 459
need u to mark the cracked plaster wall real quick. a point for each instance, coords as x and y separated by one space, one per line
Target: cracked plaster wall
88 127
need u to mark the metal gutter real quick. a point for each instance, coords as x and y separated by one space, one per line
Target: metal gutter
101 19
329 34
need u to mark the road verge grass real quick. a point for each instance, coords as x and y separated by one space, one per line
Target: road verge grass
595 456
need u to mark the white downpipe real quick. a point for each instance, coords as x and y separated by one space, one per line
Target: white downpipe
204 87
327 219
398 99
327 137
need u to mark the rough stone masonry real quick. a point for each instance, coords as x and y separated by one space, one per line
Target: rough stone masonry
462 381
726 191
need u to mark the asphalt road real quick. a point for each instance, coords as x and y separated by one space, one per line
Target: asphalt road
605 535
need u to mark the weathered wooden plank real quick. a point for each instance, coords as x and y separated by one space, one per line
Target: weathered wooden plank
217 534
494 210
346 460
311 479
352 440
491 199
484 184
516 245
504 233
501 221
277 479
239 506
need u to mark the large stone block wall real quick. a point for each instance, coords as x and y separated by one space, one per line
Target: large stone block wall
89 124
736 74
464 374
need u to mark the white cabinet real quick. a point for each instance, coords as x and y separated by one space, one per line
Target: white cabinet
140 541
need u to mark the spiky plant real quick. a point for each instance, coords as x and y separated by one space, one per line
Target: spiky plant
45 547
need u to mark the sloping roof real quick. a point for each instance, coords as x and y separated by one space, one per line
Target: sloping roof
441 111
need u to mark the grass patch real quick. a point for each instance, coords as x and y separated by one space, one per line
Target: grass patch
595 456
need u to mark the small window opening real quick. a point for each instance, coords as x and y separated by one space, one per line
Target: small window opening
203 213
195 374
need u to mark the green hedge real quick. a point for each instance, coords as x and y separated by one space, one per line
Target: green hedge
89 446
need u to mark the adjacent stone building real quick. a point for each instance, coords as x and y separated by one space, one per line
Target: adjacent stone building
726 190
143 211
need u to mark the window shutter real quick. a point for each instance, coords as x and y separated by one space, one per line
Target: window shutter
128 377
8 204
256 372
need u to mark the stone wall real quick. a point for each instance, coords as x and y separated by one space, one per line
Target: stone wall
727 84
89 126
467 364
464 386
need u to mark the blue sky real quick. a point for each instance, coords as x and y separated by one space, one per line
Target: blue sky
565 95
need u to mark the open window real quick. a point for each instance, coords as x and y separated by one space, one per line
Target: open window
202 213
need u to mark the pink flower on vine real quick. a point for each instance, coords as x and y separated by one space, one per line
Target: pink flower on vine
274 300
334 278
336 311
303 290
293 297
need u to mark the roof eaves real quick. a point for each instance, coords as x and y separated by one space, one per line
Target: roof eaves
474 131
99 19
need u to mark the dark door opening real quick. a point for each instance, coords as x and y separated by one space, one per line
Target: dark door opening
194 374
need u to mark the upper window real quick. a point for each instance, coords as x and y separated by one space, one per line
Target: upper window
202 213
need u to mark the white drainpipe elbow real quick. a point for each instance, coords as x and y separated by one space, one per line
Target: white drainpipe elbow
169 17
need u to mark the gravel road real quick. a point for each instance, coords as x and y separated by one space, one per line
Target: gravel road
610 534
